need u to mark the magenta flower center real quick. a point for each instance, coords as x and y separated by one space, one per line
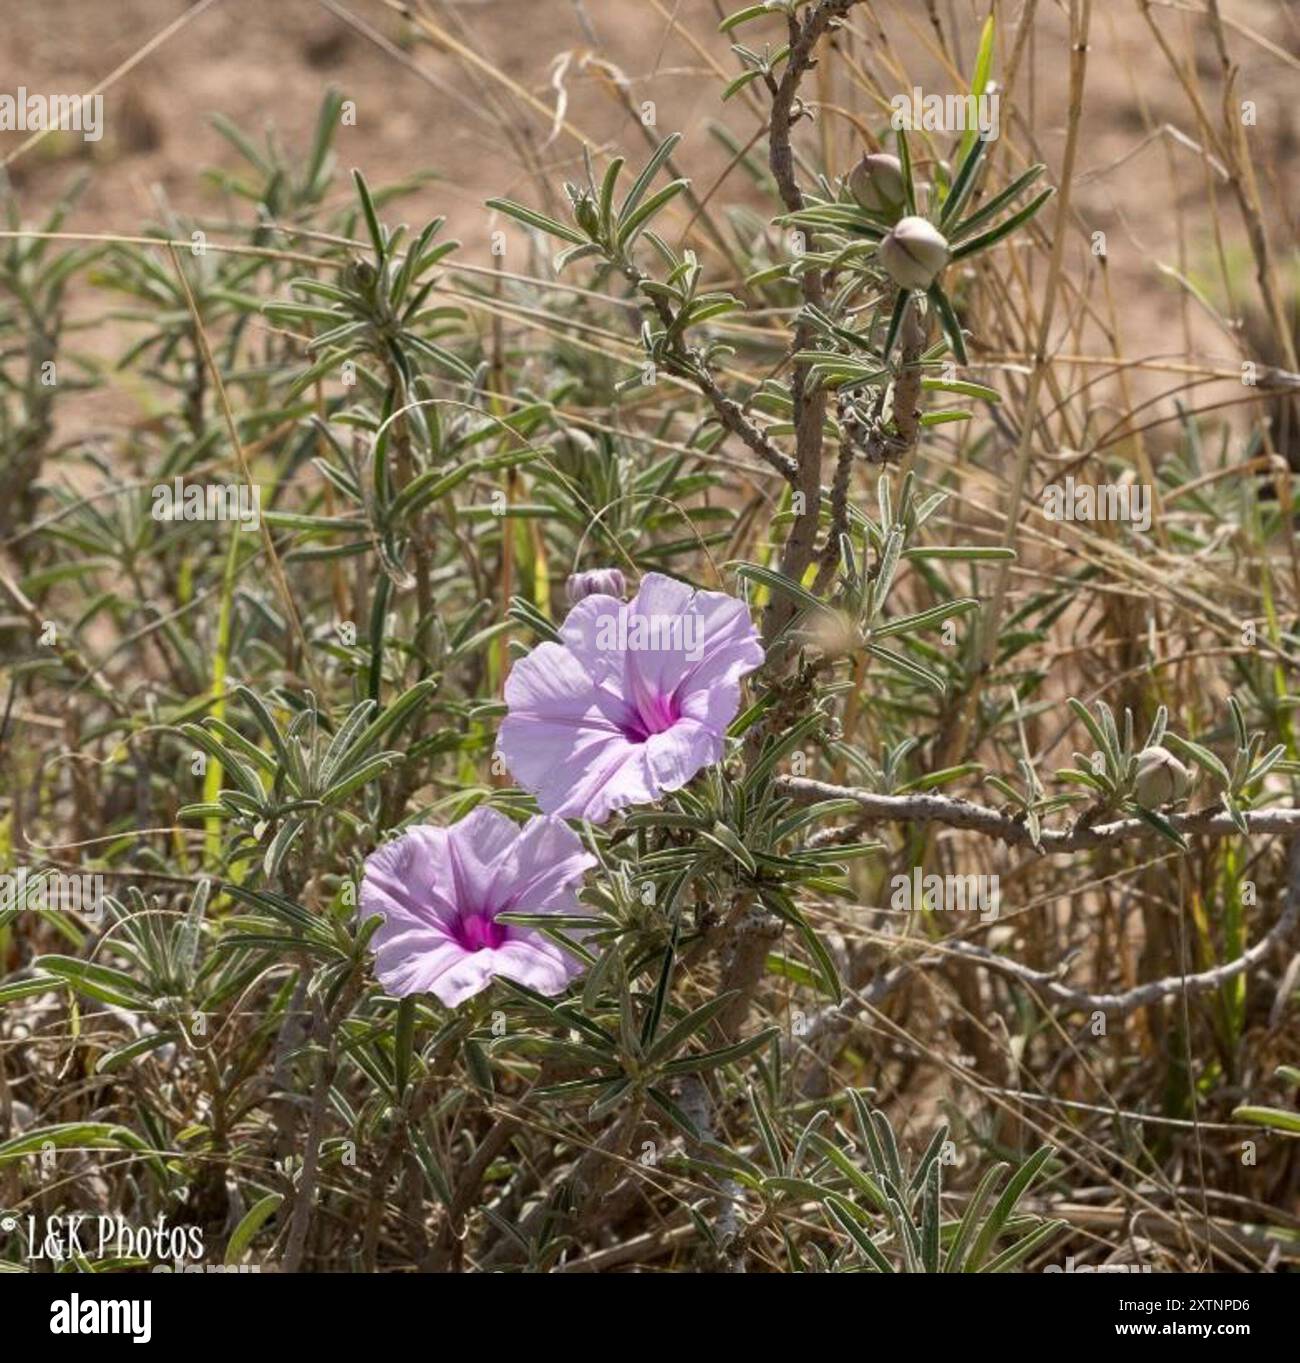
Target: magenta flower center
652 713
479 931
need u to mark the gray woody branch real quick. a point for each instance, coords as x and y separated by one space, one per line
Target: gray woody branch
992 823
941 809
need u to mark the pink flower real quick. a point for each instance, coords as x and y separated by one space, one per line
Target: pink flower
633 702
439 891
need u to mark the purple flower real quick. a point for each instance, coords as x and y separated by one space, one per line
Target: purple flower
440 889
633 702
596 582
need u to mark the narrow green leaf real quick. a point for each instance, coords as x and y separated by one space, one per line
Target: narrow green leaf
252 1221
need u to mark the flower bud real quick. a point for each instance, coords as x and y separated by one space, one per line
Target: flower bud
913 252
1161 778
598 581
587 215
362 276
834 633
876 183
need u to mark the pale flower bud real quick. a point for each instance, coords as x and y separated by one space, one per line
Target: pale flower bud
596 582
834 633
913 252
877 184
1161 778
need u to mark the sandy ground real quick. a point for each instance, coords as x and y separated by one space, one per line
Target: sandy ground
267 63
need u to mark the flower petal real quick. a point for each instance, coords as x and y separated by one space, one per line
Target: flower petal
410 877
534 961
475 848
587 631
675 755
616 776
409 959
469 975
543 865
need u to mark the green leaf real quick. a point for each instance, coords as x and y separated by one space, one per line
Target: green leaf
96 981
360 776
114 1060
1203 757
770 578
674 1113
1162 826
280 844
631 226
743 16
607 193
1084 715
998 202
725 838
244 776
962 553
973 148
1005 1205
978 84
955 1259
926 619
390 717
1238 722
735 87
795 1187
1003 229
983 59
930 1215
651 168
847 1215
774 751
1023 1248
784 907
949 321
681 1032
252 1221
692 1064
403 1043
905 159
20 989
372 219
1279 1119
865 1185
476 1062
79 1135
531 218
262 714
964 387
912 670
